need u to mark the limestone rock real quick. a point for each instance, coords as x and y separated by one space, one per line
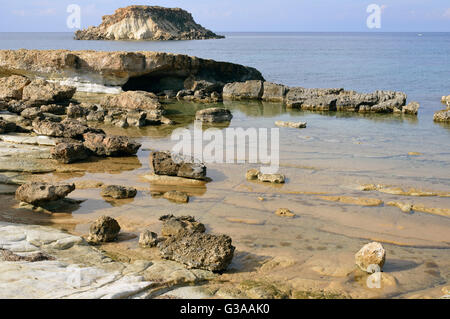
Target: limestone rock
70 152
412 108
199 250
249 90
68 128
53 109
139 22
171 164
107 145
442 116
105 229
133 100
36 193
370 254
284 212
291 124
40 92
11 87
118 192
214 115
274 92
176 196
31 113
148 239
173 226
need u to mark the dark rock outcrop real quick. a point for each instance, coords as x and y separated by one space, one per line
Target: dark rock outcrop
103 230
40 193
214 115
107 145
147 23
118 192
199 250
171 164
70 152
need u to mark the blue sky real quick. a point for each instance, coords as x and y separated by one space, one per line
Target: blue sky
242 15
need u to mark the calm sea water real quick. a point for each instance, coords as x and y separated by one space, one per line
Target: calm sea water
417 65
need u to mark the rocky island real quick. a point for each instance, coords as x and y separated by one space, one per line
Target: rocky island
147 23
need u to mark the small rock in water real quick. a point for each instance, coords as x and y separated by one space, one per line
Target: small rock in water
176 196
412 108
291 124
442 116
272 178
109 145
214 115
67 153
174 225
36 193
406 208
148 239
284 212
171 164
105 229
199 250
252 174
118 192
370 255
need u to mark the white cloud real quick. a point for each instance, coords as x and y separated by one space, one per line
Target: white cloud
447 14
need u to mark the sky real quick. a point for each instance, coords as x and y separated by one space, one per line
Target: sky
243 15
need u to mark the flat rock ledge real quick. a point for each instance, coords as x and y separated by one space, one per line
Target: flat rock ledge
80 271
321 99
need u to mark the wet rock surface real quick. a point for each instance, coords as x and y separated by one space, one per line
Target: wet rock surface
39 193
105 229
118 192
171 164
442 116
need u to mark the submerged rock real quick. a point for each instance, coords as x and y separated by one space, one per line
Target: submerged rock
11 87
176 196
70 152
291 124
39 193
271 178
103 230
118 192
106 145
199 250
138 22
173 226
171 164
214 115
284 212
148 239
369 255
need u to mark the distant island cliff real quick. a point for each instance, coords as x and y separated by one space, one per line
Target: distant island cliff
147 23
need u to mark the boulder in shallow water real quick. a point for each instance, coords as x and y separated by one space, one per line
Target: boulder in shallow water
249 90
118 192
36 193
199 250
411 108
214 115
171 164
108 145
132 100
11 87
172 225
291 124
40 92
271 178
442 116
274 92
176 196
103 230
70 152
372 254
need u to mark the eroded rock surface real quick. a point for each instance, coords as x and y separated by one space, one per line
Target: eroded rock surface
106 145
371 254
118 192
39 193
11 87
170 164
214 115
173 226
147 23
105 229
